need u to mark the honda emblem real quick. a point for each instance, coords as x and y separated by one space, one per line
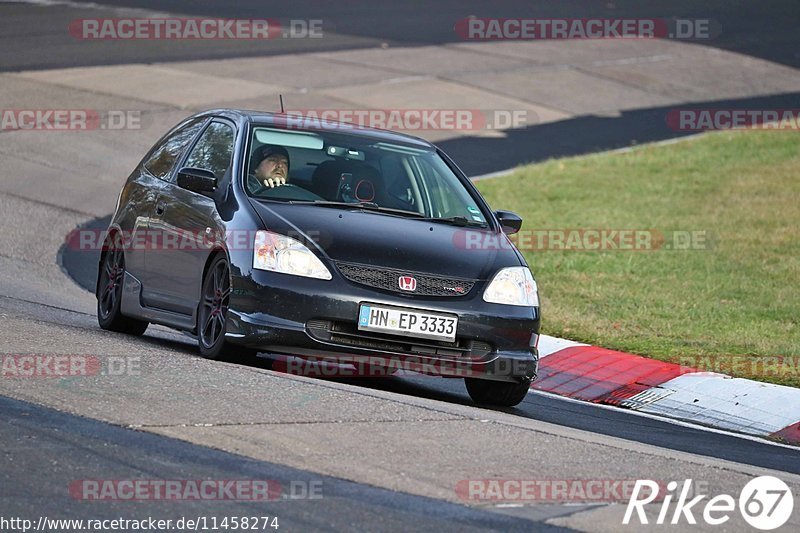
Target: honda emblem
407 283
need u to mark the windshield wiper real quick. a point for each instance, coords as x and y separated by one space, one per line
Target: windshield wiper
368 206
458 221
372 206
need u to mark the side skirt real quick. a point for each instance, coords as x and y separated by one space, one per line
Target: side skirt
132 306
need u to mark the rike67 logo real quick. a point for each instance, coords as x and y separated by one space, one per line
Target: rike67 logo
765 503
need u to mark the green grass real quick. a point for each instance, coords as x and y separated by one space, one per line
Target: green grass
724 306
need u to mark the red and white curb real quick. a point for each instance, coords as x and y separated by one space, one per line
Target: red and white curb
598 375
589 373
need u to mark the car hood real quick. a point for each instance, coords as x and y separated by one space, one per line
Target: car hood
376 239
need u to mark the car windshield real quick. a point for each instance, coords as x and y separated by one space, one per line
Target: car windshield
334 169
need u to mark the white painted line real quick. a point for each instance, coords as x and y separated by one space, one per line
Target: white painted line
405 79
549 345
145 13
672 421
490 175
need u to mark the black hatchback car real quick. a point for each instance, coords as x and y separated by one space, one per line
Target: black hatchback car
325 241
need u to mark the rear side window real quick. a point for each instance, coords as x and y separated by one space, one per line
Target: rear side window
213 149
162 159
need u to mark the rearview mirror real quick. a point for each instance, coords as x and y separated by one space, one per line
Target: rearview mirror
197 180
510 222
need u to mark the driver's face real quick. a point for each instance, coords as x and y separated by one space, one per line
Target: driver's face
275 166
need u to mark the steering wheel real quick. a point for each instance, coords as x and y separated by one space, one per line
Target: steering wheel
287 191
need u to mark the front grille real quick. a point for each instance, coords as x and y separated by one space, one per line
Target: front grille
387 279
347 334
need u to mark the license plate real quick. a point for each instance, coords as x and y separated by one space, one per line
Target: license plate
408 322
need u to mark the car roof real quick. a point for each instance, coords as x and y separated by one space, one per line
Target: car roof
315 124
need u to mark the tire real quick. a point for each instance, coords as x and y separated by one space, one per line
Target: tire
498 393
212 314
109 294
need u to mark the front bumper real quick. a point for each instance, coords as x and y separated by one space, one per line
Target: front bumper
316 319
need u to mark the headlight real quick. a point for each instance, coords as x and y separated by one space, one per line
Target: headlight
513 286
279 253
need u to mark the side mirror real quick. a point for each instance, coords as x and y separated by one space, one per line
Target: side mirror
197 180
510 222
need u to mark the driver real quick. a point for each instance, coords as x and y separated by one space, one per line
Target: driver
269 166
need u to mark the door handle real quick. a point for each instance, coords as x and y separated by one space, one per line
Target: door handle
160 209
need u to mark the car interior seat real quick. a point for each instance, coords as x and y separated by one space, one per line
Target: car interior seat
325 179
368 185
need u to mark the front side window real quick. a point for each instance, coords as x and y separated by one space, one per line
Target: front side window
213 149
163 157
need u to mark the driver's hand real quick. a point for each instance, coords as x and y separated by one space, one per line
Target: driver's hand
274 182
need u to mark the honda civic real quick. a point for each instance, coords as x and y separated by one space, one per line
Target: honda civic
258 232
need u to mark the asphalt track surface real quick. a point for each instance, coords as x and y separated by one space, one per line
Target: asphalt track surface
45 449
88 450
34 37
752 27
